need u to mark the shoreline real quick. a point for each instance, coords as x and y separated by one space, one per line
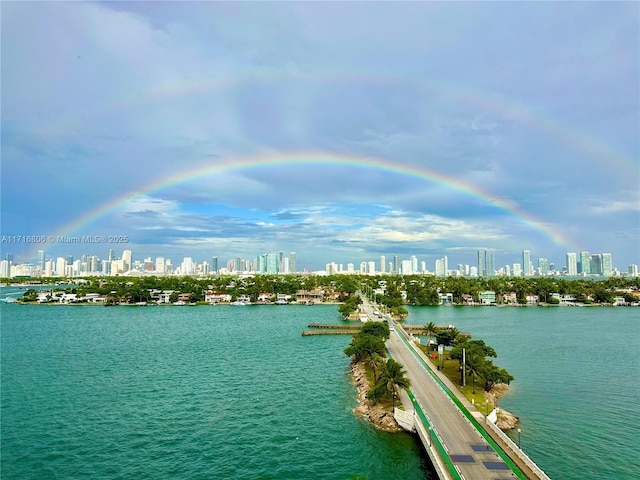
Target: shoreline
374 414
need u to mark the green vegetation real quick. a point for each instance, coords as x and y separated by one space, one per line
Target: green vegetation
478 366
393 291
350 305
388 375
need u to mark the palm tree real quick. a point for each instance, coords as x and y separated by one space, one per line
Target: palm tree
392 375
430 331
474 365
375 361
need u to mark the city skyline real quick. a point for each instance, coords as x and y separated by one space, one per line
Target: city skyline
341 131
589 264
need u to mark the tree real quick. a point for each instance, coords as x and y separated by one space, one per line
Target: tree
363 346
392 376
430 331
377 329
474 364
493 374
374 362
350 305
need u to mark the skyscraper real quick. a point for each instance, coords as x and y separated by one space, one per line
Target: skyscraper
395 265
596 264
543 266
271 263
160 265
214 265
585 263
383 265
607 265
572 264
526 263
41 260
481 262
486 262
126 258
292 262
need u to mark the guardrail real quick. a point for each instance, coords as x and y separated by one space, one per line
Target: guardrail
517 450
470 418
440 456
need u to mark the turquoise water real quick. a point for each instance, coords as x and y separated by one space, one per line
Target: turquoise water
185 392
577 388
237 392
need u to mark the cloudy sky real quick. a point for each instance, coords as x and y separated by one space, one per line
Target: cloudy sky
341 131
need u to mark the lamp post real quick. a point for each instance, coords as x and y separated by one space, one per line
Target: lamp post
519 432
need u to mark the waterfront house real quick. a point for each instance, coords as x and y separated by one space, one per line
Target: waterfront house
309 297
509 298
487 297
467 299
214 298
532 299
445 298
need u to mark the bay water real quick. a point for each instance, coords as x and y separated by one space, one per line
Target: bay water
219 392
577 387
237 392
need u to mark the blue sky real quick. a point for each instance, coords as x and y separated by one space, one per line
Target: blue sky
536 104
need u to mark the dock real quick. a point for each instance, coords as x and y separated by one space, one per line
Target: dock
331 329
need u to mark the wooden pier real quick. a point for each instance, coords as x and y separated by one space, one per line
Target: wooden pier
332 329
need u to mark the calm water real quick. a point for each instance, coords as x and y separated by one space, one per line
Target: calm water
236 392
185 392
577 388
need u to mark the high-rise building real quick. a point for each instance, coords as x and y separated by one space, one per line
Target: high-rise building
406 267
292 262
396 269
584 266
41 260
543 266
5 271
596 264
126 259
527 269
61 267
383 265
631 270
271 263
187 267
214 265
607 265
160 265
481 262
414 264
572 264
517 270
486 262
442 267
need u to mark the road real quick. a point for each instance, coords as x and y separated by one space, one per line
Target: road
469 451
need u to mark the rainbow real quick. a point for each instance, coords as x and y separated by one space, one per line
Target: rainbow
318 159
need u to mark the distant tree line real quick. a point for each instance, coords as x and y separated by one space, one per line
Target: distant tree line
418 289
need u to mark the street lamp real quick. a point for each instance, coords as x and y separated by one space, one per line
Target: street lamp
519 432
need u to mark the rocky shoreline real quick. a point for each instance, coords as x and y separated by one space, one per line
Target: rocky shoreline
375 414
384 420
506 420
